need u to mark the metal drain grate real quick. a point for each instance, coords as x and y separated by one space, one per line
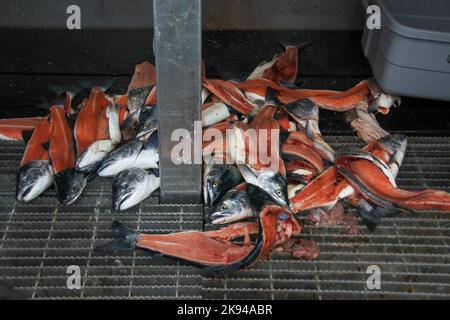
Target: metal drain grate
39 240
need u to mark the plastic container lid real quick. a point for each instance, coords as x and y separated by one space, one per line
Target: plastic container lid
420 19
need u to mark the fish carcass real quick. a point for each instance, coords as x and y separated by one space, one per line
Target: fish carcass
35 173
68 181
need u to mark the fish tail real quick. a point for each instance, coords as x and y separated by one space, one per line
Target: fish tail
125 239
299 45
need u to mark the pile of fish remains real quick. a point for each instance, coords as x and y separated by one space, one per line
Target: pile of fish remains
254 204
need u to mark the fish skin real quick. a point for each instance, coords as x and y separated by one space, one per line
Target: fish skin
303 109
135 153
129 126
233 206
137 98
217 180
132 186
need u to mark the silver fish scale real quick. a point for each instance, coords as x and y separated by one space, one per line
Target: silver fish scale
40 239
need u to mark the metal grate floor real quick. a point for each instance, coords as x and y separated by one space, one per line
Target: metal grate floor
39 240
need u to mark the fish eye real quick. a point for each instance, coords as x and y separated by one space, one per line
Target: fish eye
223 207
215 184
279 193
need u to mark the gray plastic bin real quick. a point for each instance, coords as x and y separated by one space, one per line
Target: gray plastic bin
410 53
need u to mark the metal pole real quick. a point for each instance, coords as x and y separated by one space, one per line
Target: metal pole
177 47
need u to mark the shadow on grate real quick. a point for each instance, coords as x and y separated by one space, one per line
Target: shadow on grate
39 240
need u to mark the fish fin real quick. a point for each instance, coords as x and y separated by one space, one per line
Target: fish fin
365 212
79 98
26 135
155 171
124 239
271 97
103 84
371 216
248 174
299 45
309 130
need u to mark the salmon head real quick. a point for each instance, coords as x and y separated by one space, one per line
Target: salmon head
132 186
148 121
303 109
33 178
217 180
234 206
274 184
69 185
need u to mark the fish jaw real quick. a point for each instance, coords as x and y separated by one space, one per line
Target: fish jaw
33 179
222 217
94 155
69 185
132 186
